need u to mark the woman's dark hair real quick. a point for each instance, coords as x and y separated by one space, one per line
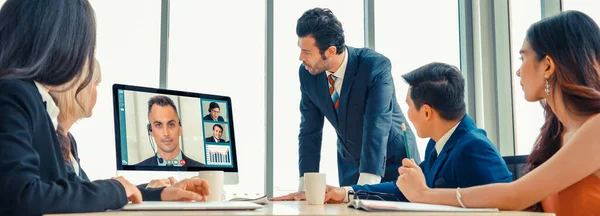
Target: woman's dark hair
572 40
47 41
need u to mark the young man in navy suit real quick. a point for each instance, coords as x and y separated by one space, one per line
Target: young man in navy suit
458 155
353 88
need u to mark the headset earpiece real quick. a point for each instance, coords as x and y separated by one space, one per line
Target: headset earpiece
150 128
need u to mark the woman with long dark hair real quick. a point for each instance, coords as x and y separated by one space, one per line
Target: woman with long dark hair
45 46
560 67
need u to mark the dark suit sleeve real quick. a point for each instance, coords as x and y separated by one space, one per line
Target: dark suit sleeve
150 194
386 187
478 164
378 118
311 133
23 192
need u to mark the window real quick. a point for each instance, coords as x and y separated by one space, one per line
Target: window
219 49
528 116
287 88
128 51
397 37
589 7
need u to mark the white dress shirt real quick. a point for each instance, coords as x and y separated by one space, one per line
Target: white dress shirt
363 178
439 145
339 74
51 107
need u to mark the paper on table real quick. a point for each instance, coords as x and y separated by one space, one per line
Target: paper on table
375 205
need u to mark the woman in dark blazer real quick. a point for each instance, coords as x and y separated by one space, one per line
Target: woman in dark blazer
44 45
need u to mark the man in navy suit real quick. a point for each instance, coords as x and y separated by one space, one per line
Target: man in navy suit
217 134
458 155
353 88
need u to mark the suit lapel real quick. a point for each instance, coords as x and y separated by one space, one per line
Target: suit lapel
323 92
441 159
349 75
464 127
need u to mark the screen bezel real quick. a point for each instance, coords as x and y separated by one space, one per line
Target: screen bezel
117 122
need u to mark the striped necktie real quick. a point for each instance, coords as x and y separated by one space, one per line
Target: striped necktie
335 97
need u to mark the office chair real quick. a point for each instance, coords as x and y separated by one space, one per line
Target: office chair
516 165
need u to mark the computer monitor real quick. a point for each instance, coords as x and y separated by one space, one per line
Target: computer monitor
166 131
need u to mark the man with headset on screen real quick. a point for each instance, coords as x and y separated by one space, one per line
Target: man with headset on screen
165 127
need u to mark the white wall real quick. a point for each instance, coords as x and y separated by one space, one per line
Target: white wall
225 40
193 139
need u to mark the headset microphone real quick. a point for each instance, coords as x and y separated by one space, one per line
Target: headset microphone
150 139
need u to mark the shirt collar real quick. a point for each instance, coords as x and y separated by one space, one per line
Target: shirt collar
339 74
51 107
439 145
175 162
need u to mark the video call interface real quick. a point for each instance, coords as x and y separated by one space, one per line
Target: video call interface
171 130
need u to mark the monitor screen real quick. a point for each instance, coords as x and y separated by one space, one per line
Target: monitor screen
159 129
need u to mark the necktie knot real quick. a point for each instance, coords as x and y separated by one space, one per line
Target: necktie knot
331 78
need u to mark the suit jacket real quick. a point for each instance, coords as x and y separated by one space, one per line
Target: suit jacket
33 177
209 118
367 122
212 139
152 161
148 194
468 159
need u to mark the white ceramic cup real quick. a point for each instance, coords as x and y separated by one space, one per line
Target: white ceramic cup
215 181
314 187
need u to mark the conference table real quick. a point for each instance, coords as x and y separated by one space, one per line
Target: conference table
297 208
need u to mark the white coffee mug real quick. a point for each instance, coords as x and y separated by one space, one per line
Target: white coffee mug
215 181
314 187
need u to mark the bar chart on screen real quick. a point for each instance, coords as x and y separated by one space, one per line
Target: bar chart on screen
218 155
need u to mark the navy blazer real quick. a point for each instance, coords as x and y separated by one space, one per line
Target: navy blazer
209 118
33 177
212 140
468 159
153 161
367 122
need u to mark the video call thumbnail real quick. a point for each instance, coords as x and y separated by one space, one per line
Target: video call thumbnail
218 155
170 130
215 110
